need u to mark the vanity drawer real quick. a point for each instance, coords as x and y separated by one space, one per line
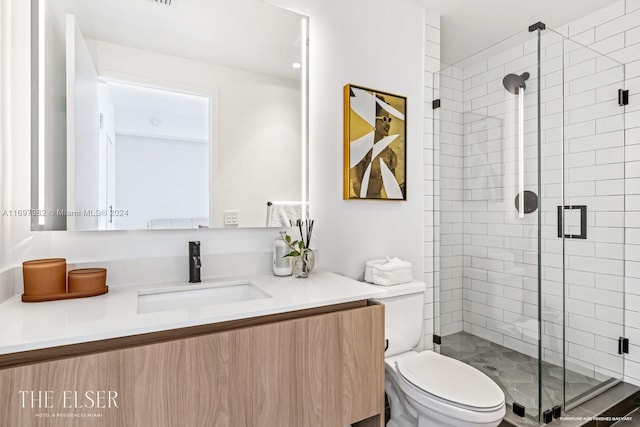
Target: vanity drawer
323 369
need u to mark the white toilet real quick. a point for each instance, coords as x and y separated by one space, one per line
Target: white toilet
426 388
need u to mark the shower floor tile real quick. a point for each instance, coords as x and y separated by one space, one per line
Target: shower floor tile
517 373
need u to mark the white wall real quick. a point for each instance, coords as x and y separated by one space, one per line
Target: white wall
5 29
259 151
392 46
149 169
364 43
345 48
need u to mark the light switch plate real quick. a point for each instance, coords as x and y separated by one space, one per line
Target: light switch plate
230 218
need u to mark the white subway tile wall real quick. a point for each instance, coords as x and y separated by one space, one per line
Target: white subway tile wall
451 157
615 29
431 178
488 256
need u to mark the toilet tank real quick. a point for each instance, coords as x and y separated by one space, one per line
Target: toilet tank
403 316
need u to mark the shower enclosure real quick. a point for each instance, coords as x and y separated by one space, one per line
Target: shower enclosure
529 284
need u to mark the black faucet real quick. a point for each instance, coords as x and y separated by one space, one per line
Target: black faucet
194 262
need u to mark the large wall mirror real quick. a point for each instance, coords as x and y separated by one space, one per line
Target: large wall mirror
167 114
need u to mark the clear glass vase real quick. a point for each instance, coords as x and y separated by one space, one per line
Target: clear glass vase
303 264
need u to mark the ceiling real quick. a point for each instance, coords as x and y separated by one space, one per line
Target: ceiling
240 33
468 26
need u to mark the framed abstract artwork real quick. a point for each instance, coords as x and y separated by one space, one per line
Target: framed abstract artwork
375 144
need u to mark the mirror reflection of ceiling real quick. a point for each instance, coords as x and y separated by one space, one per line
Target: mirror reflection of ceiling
198 30
159 113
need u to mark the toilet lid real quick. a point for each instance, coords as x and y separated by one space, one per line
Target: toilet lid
451 380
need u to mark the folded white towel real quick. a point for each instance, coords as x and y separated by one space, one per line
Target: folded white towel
280 213
387 272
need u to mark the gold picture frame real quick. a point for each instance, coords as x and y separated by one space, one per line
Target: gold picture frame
375 144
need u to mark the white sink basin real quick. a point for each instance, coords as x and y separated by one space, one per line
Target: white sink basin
192 296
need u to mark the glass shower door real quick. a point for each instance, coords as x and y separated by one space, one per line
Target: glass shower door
593 215
551 287
487 288
582 226
529 283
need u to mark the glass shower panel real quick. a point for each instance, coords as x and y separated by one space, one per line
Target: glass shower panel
593 218
529 279
552 385
487 293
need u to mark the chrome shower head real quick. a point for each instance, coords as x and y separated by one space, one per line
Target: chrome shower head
513 82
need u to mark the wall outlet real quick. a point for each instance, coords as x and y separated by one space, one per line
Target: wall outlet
230 218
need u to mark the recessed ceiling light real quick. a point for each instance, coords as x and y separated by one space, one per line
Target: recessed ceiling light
296 65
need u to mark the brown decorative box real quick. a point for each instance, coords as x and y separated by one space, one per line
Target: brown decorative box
44 277
92 281
46 280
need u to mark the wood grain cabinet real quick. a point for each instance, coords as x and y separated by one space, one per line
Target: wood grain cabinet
311 370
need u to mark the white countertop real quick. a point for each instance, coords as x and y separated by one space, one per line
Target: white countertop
31 326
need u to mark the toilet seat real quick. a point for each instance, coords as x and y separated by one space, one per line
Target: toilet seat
440 377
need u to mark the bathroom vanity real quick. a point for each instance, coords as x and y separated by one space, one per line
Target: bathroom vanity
311 353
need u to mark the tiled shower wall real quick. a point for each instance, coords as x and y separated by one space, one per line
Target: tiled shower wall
500 251
499 258
501 300
431 178
451 122
615 30
594 176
